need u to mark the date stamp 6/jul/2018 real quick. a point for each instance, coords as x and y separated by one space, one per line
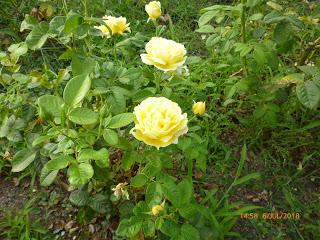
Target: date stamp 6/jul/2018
272 216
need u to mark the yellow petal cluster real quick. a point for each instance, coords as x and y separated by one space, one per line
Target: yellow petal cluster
153 9
156 210
199 108
164 54
159 122
117 25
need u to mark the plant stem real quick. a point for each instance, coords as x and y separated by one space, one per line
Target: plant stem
243 32
157 82
156 23
307 52
115 50
65 6
84 2
190 168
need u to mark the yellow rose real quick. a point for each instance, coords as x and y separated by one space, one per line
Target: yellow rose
117 25
156 210
164 54
154 10
199 108
159 122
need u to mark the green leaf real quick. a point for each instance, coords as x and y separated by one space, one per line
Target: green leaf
246 178
76 89
18 49
292 78
29 23
172 192
7 125
193 60
110 136
50 106
59 162
282 32
206 29
101 157
83 116
274 5
311 125
141 209
310 70
188 210
253 3
149 228
117 100
72 22
170 228
256 16
128 159
81 65
56 25
38 36
142 94
47 176
22 160
129 227
308 94
242 160
121 120
80 174
259 55
212 40
79 198
189 232
154 194
186 189
99 203
243 48
206 17
139 180
152 168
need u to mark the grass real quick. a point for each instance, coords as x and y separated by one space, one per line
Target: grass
23 224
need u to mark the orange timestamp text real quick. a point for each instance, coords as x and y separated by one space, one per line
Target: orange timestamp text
271 216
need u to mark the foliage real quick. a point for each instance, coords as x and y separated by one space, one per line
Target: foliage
21 224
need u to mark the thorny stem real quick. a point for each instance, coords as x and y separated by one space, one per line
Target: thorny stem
308 51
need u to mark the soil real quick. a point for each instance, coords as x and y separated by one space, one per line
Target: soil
56 212
12 196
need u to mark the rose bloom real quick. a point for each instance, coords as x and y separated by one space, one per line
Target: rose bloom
156 210
159 122
164 54
117 25
154 10
199 108
121 191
